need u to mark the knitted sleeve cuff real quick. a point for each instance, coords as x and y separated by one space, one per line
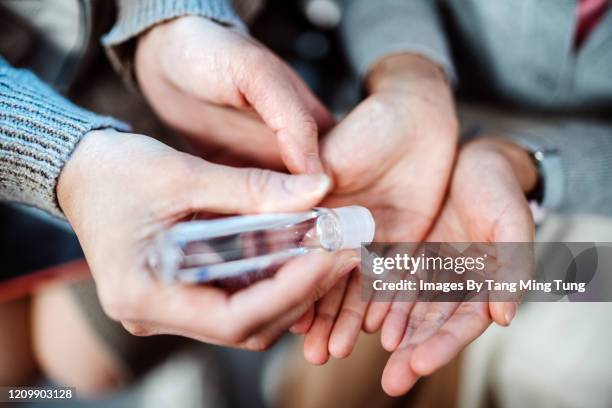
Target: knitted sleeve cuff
136 16
580 179
374 29
39 130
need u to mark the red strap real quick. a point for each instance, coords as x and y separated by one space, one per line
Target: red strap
21 286
590 13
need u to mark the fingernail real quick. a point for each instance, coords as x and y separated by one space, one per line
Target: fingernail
313 164
308 184
510 314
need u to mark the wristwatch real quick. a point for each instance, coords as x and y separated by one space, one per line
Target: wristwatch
547 193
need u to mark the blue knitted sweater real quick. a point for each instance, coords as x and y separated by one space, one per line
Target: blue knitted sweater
39 128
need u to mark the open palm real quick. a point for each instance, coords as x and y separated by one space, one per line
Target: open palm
486 203
392 154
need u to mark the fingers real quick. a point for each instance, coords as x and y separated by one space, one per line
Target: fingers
350 319
394 325
398 305
375 315
223 189
279 99
302 325
263 338
502 312
434 336
305 279
231 319
237 133
425 320
326 310
376 308
395 317
325 120
398 376
468 322
225 68
515 262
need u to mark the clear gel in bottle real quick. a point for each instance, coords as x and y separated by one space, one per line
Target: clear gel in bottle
239 250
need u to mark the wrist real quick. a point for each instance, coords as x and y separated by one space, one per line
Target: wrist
74 173
154 41
412 77
517 157
405 70
160 46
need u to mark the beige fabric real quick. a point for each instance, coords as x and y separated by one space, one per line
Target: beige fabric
554 354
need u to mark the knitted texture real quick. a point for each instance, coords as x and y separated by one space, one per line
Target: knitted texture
137 16
39 129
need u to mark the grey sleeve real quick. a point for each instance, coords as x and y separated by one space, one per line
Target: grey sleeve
136 16
39 129
372 29
579 179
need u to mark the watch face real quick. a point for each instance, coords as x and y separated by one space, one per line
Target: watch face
538 155
548 192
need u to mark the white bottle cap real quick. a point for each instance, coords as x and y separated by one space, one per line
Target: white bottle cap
357 226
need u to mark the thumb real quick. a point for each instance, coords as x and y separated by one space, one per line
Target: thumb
502 312
230 190
287 107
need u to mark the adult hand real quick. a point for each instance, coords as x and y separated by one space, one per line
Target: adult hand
222 88
392 154
486 203
119 190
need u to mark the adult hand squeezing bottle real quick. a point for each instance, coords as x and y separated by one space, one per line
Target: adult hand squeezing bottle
244 248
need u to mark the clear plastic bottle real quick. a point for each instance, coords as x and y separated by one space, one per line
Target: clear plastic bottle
239 250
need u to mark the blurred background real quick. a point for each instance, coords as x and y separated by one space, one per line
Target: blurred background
555 354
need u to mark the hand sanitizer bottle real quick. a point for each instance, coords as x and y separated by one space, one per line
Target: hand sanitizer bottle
242 249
